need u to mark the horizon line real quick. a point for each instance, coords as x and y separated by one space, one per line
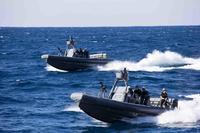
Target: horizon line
122 26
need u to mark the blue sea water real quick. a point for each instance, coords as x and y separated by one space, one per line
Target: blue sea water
35 97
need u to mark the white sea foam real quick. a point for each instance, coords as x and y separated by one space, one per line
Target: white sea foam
186 115
99 123
27 33
53 69
18 80
188 112
73 108
156 61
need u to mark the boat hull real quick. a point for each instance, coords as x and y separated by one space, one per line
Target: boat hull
74 63
110 111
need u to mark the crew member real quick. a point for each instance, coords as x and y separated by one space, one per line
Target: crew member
129 95
125 76
102 90
163 98
81 52
70 42
144 96
137 94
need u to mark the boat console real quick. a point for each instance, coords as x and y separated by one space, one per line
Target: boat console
71 51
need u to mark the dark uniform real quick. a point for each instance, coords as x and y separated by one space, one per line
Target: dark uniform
144 97
129 95
102 90
163 98
137 94
125 76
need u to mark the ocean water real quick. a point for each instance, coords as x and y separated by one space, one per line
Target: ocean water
35 97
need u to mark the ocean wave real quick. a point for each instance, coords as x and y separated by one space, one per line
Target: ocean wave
156 61
11 100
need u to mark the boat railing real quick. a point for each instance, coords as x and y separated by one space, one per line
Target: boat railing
98 56
156 102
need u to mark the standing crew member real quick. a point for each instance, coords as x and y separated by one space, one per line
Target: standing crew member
125 76
102 90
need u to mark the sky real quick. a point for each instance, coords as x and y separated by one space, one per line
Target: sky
92 13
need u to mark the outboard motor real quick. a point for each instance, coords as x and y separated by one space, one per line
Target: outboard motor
174 103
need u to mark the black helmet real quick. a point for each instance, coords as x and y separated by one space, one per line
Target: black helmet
143 88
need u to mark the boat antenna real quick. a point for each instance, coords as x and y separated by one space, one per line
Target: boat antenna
70 42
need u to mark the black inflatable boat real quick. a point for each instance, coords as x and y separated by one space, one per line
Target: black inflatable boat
75 59
119 104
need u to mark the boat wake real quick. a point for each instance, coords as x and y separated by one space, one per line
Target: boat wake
186 115
53 69
156 61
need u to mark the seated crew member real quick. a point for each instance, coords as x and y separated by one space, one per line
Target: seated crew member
87 53
102 90
163 98
81 52
137 94
144 96
84 55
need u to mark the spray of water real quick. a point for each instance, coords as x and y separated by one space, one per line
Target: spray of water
72 108
53 69
156 61
188 112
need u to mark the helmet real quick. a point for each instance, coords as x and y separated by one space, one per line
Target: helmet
143 88
137 86
164 89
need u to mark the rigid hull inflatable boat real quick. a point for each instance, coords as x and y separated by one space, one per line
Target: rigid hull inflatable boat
74 59
118 104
